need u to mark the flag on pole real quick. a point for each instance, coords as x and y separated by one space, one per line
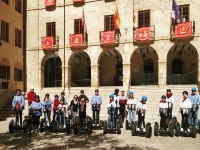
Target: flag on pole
134 18
116 19
83 19
176 10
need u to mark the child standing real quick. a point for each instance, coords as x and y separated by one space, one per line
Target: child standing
55 107
82 111
73 108
141 109
47 106
62 113
163 112
170 101
131 107
111 111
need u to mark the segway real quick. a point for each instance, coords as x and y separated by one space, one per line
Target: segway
128 125
169 126
14 124
180 130
113 124
96 122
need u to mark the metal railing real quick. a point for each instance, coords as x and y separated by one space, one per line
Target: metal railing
146 78
181 79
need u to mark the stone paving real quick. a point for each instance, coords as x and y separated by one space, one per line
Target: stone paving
97 140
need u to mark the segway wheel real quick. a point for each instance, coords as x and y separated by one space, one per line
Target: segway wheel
156 129
30 128
55 127
51 125
105 128
121 122
133 130
148 131
42 127
89 130
11 126
126 125
25 125
68 126
171 130
194 131
174 121
177 133
199 126
100 125
75 128
119 128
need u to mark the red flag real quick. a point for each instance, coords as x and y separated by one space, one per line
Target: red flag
83 19
116 19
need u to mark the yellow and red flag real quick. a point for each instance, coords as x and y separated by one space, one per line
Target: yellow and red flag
116 19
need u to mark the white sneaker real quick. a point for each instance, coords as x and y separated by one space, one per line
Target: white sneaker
97 124
197 127
138 129
93 124
64 126
188 130
144 130
181 129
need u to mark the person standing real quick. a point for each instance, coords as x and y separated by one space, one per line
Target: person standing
162 110
170 101
31 96
96 102
131 106
193 118
62 95
122 102
116 99
82 95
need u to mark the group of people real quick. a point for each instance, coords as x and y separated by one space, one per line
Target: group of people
118 105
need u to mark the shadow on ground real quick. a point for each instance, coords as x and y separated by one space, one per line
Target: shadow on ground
59 141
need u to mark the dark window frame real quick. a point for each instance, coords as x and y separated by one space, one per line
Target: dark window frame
78 26
5 1
51 30
144 18
18 38
183 9
18 6
4 72
108 23
4 31
17 75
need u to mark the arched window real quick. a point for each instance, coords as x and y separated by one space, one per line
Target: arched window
177 66
53 72
148 66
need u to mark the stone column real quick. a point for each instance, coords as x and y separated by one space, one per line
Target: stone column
126 75
94 76
162 73
41 78
198 75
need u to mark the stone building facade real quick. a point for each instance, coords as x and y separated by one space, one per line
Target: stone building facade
12 44
162 59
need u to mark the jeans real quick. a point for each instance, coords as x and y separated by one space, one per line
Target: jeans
169 113
116 112
111 118
47 117
194 117
62 120
131 114
96 116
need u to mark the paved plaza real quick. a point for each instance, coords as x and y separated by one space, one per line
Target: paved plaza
97 140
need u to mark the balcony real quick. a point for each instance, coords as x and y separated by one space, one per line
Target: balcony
50 3
78 40
78 1
109 38
50 43
182 30
144 34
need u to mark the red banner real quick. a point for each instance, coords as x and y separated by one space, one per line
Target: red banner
47 42
142 34
107 37
76 40
78 0
50 3
183 30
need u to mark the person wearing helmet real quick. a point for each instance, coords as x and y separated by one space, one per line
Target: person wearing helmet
82 95
163 105
62 107
131 107
170 101
116 99
193 118
122 102
31 96
56 102
18 106
185 106
62 95
111 111
36 107
141 110
47 106
96 102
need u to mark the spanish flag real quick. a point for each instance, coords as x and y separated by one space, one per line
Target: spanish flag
116 19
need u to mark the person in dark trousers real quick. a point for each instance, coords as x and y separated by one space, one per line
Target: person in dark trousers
73 108
36 107
185 105
18 105
163 112
82 112
122 102
116 99
56 102
82 95
170 101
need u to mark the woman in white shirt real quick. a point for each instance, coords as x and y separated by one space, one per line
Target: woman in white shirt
131 107
185 105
